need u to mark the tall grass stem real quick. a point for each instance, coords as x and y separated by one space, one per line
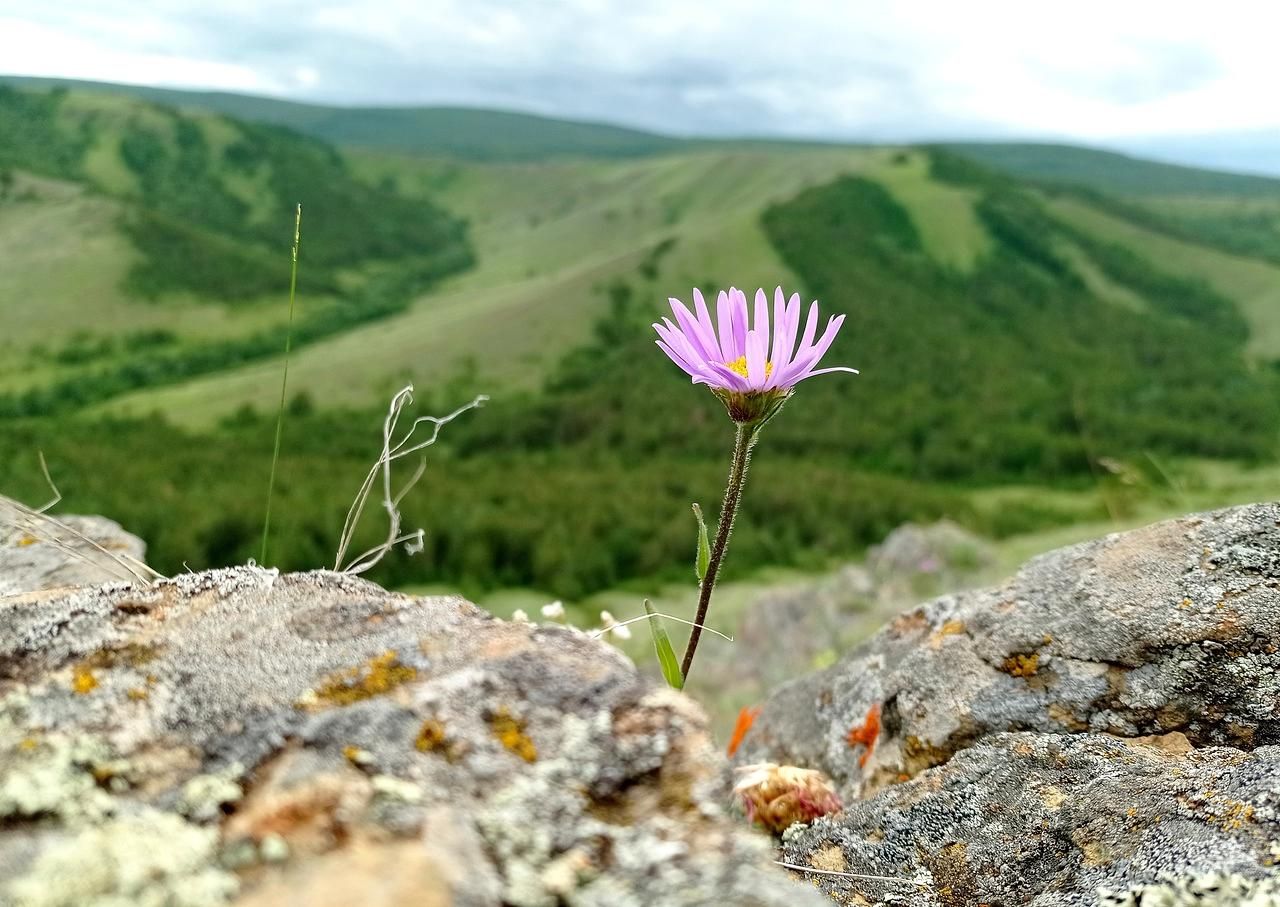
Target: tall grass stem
284 384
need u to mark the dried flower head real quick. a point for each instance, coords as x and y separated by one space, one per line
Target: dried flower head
778 796
733 356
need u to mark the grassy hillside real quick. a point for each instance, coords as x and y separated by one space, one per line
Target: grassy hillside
550 239
149 245
481 135
1031 356
1233 213
1112 172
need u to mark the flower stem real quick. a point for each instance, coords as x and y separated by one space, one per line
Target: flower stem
742 444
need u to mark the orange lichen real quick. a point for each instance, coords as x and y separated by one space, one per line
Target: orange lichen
746 718
866 734
380 675
510 733
82 680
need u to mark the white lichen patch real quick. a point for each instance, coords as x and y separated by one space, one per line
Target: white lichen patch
50 774
1210 889
204 796
149 859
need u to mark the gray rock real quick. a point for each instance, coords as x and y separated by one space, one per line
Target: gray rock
927 559
313 739
1170 631
1052 819
39 553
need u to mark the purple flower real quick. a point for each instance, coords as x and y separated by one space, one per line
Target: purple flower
733 357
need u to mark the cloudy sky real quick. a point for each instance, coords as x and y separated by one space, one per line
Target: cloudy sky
1120 72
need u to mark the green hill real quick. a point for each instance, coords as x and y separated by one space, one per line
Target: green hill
1232 212
483 135
1031 354
169 209
1110 171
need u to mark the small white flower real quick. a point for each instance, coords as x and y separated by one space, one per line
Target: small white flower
519 616
609 624
553 611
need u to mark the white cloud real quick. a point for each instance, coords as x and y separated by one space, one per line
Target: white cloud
851 68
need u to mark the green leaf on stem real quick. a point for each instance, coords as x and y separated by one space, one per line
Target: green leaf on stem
704 545
662 645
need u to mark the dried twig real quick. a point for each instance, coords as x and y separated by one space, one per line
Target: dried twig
796 867
392 450
680 620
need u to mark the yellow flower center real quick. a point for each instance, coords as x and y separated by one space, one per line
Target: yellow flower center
739 366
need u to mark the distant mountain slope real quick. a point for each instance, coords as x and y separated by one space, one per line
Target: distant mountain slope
481 135
1231 212
213 198
1109 171
143 241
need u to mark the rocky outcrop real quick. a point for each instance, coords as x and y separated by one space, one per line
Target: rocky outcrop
789 630
37 552
1104 719
239 736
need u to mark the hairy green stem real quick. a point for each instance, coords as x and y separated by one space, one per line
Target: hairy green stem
742 444
284 385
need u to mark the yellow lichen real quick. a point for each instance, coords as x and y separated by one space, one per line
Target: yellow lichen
82 680
430 737
1021 665
357 756
510 733
137 694
380 675
27 540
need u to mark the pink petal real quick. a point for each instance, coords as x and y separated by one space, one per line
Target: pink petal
755 360
724 318
696 365
728 378
786 319
671 354
703 344
805 365
704 319
739 304
761 323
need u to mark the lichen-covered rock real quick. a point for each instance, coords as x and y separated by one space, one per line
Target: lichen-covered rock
313 739
37 553
1050 819
1175 627
1168 635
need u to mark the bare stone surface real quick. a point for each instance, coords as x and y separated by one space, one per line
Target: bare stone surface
239 736
1140 674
